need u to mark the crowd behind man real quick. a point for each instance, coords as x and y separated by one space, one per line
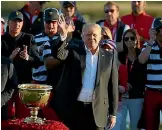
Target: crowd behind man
98 71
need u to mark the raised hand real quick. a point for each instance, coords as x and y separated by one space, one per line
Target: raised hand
152 33
14 53
62 25
69 24
24 54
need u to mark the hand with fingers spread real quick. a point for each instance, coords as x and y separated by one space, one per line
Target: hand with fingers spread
24 54
70 27
14 53
62 26
62 52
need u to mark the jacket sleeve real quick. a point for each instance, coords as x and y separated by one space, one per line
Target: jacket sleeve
113 92
10 86
33 54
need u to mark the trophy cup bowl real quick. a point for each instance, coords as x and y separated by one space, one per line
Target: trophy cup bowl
35 97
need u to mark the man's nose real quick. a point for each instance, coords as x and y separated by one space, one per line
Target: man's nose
91 37
17 23
50 25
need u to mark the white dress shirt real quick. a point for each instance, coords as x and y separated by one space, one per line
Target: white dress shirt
89 77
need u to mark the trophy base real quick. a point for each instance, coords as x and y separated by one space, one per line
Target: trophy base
30 120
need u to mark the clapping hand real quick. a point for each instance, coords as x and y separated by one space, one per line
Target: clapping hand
24 53
14 53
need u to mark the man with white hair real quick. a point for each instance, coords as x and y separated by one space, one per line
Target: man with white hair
87 91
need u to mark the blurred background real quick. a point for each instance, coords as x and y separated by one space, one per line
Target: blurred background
92 10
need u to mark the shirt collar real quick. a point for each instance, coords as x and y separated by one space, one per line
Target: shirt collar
142 14
17 37
110 27
88 51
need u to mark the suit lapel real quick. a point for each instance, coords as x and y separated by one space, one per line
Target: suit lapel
82 57
100 65
83 62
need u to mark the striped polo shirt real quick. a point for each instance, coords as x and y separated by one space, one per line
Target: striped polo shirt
40 73
154 67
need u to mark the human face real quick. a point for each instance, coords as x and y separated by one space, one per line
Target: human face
138 6
51 27
111 14
36 5
130 40
15 26
159 35
68 10
91 37
104 36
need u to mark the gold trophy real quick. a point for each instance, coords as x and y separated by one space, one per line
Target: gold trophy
35 97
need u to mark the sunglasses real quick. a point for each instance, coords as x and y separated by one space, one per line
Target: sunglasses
109 10
50 21
105 37
131 38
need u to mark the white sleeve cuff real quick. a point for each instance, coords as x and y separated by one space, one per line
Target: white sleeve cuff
63 38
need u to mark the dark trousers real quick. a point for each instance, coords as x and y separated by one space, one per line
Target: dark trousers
153 105
82 117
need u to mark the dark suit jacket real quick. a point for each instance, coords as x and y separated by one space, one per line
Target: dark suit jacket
22 67
105 97
8 84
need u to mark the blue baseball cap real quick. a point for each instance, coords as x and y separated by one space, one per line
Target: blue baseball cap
73 3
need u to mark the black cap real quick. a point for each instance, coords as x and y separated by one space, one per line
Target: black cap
157 23
15 15
51 14
73 3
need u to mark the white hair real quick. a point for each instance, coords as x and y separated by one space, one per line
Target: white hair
90 25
